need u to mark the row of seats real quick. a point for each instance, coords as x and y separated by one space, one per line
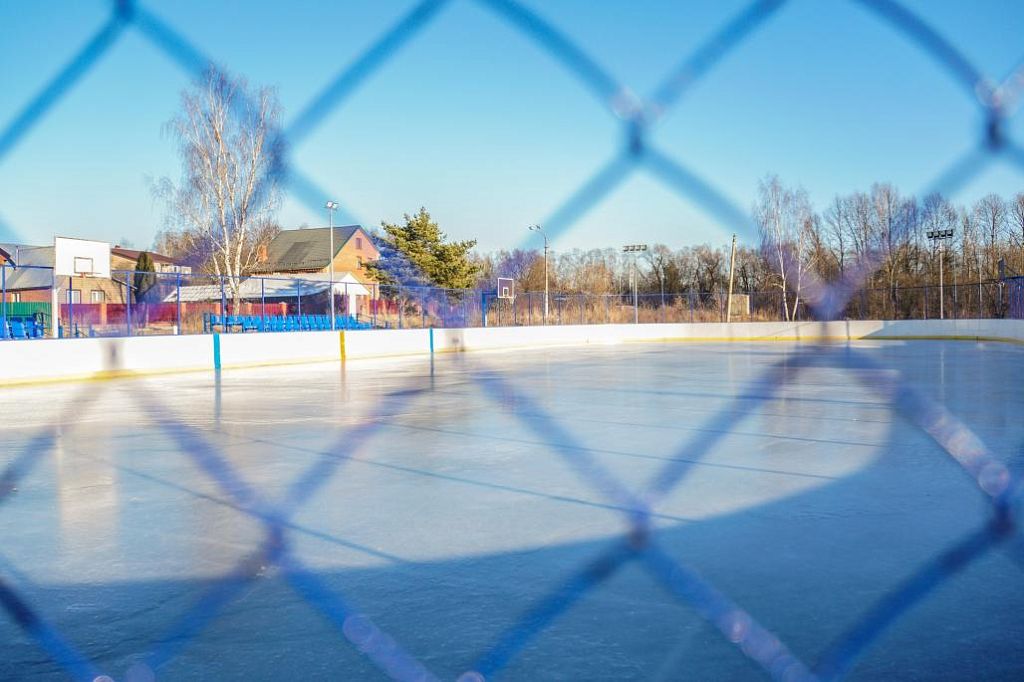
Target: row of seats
21 328
279 323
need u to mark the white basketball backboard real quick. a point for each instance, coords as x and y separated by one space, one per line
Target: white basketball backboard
80 258
506 287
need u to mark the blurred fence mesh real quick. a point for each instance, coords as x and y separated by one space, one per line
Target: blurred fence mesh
995 101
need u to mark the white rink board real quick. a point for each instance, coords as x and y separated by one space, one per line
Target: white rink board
46 360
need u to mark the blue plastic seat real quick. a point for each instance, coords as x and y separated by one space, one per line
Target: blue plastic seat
18 330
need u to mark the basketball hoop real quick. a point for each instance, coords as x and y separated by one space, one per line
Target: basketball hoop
83 267
506 288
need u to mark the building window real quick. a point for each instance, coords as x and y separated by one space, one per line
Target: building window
76 295
97 296
15 297
359 243
359 260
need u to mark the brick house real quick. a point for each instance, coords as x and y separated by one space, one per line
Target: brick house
305 251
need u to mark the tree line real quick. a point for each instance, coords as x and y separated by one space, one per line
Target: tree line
797 244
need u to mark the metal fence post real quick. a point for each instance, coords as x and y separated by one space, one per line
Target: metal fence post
263 297
223 306
177 296
3 300
128 307
71 307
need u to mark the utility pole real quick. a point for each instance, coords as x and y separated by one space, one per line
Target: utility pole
939 237
635 249
732 264
537 228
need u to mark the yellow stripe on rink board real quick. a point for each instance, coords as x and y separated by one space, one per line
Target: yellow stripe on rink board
341 343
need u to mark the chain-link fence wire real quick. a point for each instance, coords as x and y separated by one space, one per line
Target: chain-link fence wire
997 101
135 303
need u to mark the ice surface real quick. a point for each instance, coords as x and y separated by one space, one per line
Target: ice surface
454 495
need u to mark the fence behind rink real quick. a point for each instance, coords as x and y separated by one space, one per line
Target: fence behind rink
191 304
178 303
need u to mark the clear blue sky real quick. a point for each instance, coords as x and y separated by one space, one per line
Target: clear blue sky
472 120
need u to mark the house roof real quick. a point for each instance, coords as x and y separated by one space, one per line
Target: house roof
305 249
35 266
6 257
133 254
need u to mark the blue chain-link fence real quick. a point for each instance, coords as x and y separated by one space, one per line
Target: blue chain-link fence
640 544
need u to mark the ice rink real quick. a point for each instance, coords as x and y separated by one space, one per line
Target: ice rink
443 500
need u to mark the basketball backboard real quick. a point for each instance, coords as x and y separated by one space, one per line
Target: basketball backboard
506 287
80 258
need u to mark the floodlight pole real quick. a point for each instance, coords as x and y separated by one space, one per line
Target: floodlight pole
732 264
940 237
331 207
537 228
635 249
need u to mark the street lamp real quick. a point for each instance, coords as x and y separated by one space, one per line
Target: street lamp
635 249
537 228
940 236
331 207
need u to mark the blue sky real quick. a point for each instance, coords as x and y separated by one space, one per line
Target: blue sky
477 123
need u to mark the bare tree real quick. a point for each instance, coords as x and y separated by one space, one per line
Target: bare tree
1017 219
837 218
991 213
231 151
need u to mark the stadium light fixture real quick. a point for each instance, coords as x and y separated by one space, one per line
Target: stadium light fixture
331 207
940 237
634 249
538 228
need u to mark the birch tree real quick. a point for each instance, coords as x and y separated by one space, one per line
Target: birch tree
231 153
783 216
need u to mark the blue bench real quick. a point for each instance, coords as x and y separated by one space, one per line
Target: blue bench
279 323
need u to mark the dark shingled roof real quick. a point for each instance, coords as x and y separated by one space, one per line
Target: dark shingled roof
304 249
133 254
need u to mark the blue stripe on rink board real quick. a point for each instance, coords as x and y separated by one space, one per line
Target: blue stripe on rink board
431 339
216 350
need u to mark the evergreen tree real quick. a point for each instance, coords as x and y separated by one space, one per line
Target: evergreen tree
418 253
145 275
